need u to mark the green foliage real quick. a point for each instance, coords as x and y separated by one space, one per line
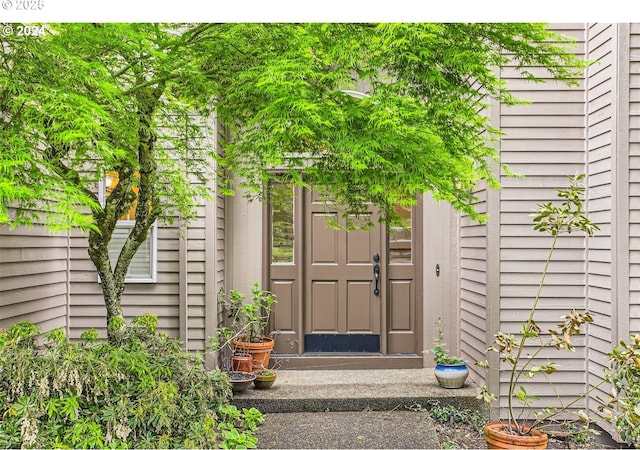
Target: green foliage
248 319
581 436
420 127
624 375
567 217
87 99
440 355
143 392
448 413
451 416
554 219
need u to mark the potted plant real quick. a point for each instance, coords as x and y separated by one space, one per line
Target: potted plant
265 378
524 426
242 362
247 323
450 371
240 381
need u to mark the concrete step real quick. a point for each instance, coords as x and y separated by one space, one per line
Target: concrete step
299 391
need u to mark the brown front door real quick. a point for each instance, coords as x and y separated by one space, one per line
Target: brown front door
342 301
329 303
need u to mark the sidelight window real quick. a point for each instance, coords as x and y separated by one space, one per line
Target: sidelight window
282 228
400 237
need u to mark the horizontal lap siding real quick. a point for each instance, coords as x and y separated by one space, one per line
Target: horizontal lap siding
601 107
196 279
87 308
473 285
544 141
634 179
221 238
33 277
178 299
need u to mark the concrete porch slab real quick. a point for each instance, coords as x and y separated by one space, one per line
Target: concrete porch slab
298 391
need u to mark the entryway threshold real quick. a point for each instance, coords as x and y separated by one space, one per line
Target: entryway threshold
356 390
347 361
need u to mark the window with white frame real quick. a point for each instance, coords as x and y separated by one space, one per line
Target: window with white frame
143 267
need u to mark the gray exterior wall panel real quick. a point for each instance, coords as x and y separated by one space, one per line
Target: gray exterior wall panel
33 277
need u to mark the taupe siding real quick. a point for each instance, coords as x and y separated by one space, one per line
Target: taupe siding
601 148
87 308
33 277
183 297
634 177
50 280
544 141
473 286
196 281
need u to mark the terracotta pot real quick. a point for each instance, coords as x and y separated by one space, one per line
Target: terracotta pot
451 376
497 437
260 351
242 362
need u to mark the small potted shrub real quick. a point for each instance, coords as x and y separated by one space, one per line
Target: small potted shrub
524 424
265 378
245 333
450 371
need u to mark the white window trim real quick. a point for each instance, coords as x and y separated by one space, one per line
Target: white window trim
152 236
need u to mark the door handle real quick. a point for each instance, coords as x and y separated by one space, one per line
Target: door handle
376 275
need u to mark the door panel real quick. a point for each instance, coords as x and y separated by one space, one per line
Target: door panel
324 241
339 282
324 307
361 312
400 317
359 245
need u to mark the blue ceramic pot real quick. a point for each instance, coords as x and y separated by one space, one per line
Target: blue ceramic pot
451 376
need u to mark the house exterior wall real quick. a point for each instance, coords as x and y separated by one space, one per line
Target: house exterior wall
501 261
87 309
473 286
49 279
244 243
33 277
440 289
594 129
605 166
634 178
493 268
190 273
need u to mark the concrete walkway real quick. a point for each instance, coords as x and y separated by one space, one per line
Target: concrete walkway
325 409
337 430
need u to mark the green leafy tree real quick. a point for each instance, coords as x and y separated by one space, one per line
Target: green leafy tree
86 100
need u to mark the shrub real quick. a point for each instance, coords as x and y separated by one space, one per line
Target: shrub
141 390
623 408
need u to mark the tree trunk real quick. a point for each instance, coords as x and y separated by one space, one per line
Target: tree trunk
112 288
113 281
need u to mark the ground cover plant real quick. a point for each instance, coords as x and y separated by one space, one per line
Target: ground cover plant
140 391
